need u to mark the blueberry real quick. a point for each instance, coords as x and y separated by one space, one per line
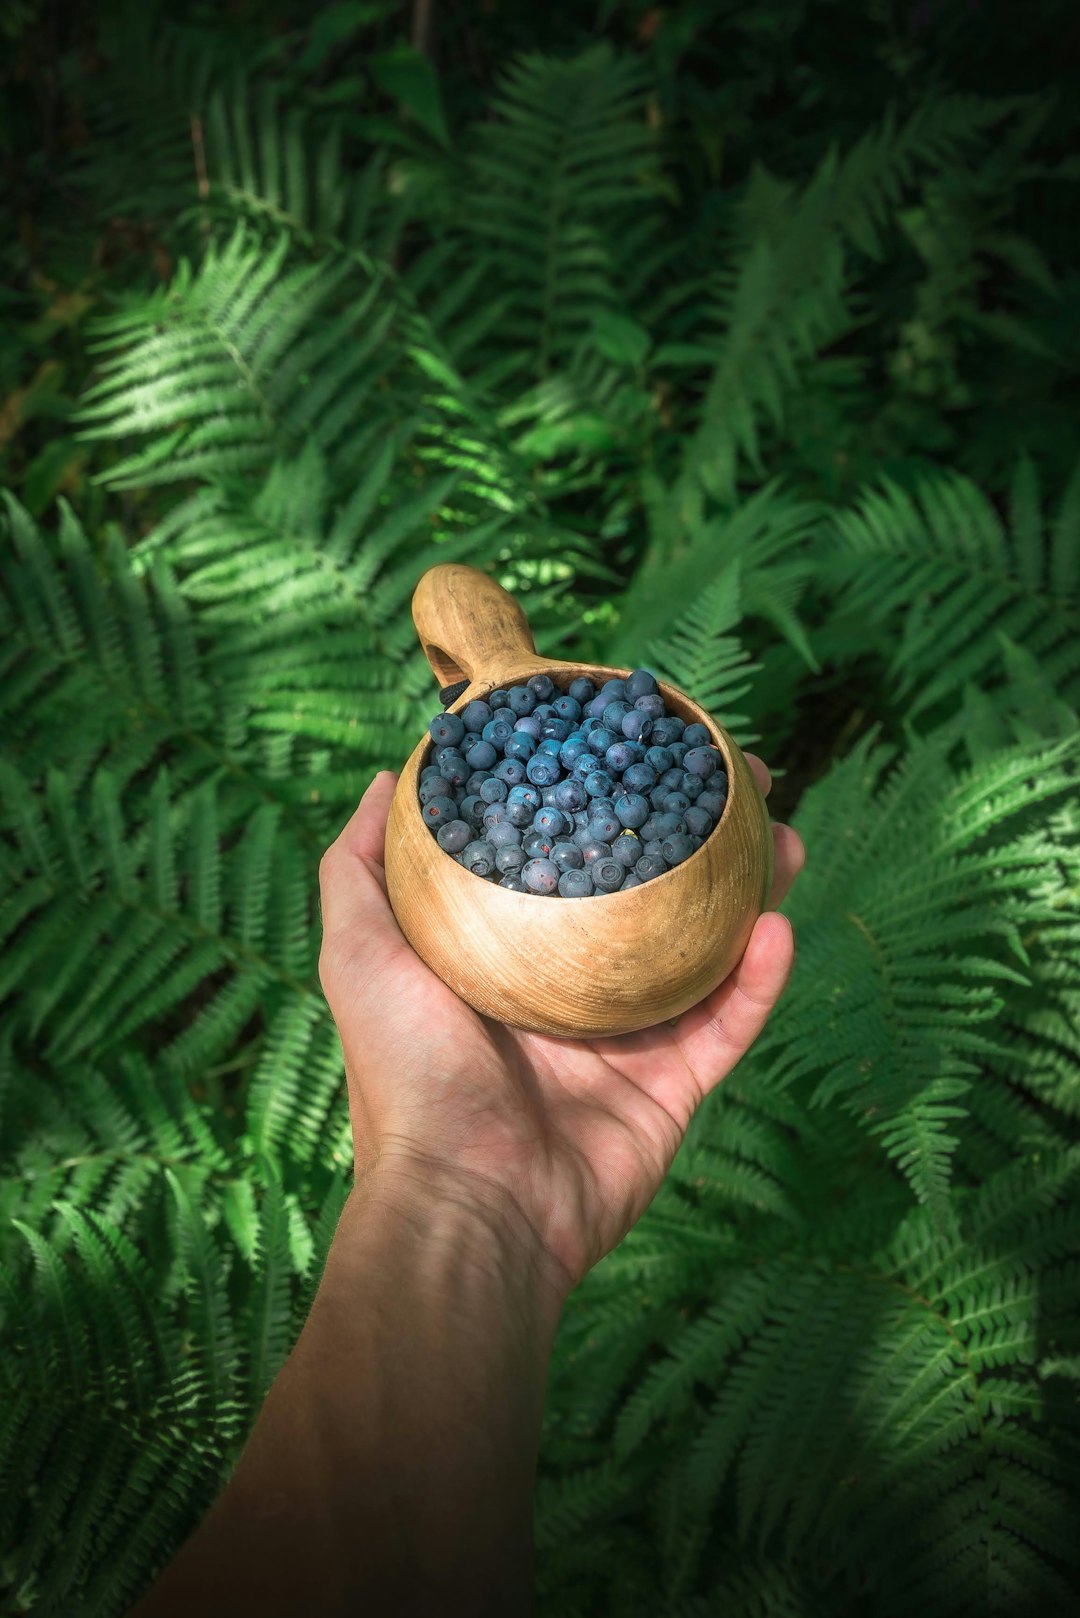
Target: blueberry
614 689
573 748
604 827
713 799
471 809
475 715
430 772
543 711
627 848
630 880
666 729
703 761
650 829
672 779
582 689
619 757
481 755
660 760
479 857
519 814
593 848
454 769
432 789
692 785
492 790
636 726
510 770
571 796
640 683
639 777
567 855
453 835
669 823
476 781
541 876
535 844
674 803
437 811
510 858
575 884
528 795
653 847
503 835
632 809
551 745
699 823
557 729
507 715
677 848
651 707
520 745
607 874
696 842
543 686
650 865
696 736
543 770
529 725
497 698
496 814
567 708
446 728
552 822
599 784
601 806
601 739
613 715
521 699
595 708
512 881
496 731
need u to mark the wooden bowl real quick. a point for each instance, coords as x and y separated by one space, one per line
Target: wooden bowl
574 967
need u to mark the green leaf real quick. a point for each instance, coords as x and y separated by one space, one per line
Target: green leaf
410 78
619 339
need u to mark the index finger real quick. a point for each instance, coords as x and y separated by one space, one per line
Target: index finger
761 772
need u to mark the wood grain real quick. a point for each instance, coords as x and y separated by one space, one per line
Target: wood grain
572 967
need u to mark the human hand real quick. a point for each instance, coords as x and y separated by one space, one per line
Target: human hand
573 1136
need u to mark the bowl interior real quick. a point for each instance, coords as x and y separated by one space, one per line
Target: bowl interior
562 674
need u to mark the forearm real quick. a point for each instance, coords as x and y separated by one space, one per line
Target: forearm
391 1469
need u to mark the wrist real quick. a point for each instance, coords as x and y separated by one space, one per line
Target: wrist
440 1207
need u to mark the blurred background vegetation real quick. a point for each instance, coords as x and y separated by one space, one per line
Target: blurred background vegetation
742 341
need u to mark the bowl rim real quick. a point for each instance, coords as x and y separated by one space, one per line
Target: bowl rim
481 687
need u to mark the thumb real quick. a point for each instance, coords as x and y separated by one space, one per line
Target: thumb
352 880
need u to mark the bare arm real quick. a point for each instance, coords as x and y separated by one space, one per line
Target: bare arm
391 1468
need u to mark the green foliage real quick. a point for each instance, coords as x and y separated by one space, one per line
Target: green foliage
730 353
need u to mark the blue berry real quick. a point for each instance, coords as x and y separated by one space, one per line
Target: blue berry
607 874
669 823
599 784
454 769
715 797
674 803
471 809
654 847
430 772
547 797
496 731
520 745
529 724
437 811
630 880
696 736
677 848
503 835
636 727
678 751
454 835
497 698
572 749
604 827
567 708
613 715
510 858
703 761
552 822
542 770
651 707
632 809
432 789
639 778
699 823
476 781
627 848
649 866
582 689
541 876
601 739
575 884
481 755
614 689
593 848
479 857
640 683
510 770
619 757
492 790
567 855
475 715
521 699
446 728
660 759
542 685
571 796
512 881
692 785
496 814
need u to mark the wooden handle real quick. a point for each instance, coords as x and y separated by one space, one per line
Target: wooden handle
468 625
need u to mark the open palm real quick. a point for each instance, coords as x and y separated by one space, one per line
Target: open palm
579 1132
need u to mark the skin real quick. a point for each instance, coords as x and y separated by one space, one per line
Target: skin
391 1468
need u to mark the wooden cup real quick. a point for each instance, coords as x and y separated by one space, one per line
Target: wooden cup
579 968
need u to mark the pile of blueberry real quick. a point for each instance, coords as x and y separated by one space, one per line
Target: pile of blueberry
571 793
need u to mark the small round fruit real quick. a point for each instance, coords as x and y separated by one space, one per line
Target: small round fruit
677 848
703 761
627 849
437 811
475 715
567 855
510 858
446 728
650 866
542 685
479 857
492 790
541 876
454 835
699 823
513 881
575 884
696 736
503 835
607 874
632 809
582 689
640 683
